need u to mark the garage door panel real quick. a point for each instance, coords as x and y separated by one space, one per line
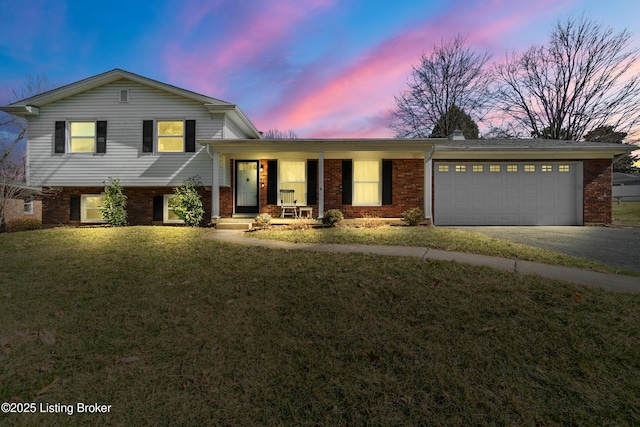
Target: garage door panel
506 198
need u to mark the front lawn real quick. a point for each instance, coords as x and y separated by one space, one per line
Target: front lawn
626 214
436 238
172 329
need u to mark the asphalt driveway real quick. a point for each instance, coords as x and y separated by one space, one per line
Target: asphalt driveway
613 246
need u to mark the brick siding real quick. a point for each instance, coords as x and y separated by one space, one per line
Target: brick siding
139 204
597 191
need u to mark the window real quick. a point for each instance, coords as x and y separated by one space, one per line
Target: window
512 168
90 208
443 168
529 168
461 168
170 136
124 95
547 168
83 137
478 168
563 168
494 168
28 205
293 177
169 215
366 182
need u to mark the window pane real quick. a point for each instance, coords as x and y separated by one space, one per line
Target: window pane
172 216
170 145
461 168
494 168
83 129
443 168
478 168
366 171
173 128
92 201
82 145
292 171
93 214
366 193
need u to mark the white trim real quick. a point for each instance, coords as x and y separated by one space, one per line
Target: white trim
215 185
83 209
165 211
28 205
353 182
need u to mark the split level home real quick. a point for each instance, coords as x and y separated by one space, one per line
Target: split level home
153 136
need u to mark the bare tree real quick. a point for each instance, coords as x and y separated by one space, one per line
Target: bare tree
280 134
580 80
452 75
12 131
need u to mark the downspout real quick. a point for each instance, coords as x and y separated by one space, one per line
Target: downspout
428 183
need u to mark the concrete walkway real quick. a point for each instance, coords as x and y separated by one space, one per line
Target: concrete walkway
612 282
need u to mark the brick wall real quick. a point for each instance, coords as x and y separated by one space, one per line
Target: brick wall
597 191
407 178
139 204
15 210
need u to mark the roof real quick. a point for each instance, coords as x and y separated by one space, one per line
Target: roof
441 148
626 178
30 106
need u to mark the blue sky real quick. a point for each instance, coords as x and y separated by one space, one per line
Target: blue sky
323 68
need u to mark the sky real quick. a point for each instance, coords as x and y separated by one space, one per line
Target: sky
322 68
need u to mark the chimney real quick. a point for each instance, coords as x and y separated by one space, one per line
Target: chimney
457 135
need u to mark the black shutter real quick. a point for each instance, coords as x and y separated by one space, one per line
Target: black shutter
158 208
101 133
74 208
59 137
190 136
272 182
312 182
347 182
387 184
147 136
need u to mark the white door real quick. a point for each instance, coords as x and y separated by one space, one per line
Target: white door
247 186
507 193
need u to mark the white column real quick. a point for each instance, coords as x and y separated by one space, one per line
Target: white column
321 184
428 178
215 186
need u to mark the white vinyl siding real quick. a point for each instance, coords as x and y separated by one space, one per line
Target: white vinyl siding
124 158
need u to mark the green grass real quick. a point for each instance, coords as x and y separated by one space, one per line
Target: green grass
626 214
173 329
436 238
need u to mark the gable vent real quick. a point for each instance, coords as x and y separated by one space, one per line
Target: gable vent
124 95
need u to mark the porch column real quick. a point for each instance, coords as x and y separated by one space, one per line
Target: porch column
321 184
215 186
428 178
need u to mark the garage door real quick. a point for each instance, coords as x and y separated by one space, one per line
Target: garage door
516 193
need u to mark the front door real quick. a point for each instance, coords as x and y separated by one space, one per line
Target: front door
247 186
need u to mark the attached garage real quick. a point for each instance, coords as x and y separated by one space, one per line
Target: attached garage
508 193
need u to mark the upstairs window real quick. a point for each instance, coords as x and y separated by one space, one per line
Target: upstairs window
170 136
82 137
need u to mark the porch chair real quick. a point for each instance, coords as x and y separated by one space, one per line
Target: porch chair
288 202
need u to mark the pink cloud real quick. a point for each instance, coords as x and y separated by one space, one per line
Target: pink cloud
353 98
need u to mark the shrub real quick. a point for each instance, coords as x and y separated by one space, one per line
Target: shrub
187 202
23 224
263 220
114 203
332 217
413 216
